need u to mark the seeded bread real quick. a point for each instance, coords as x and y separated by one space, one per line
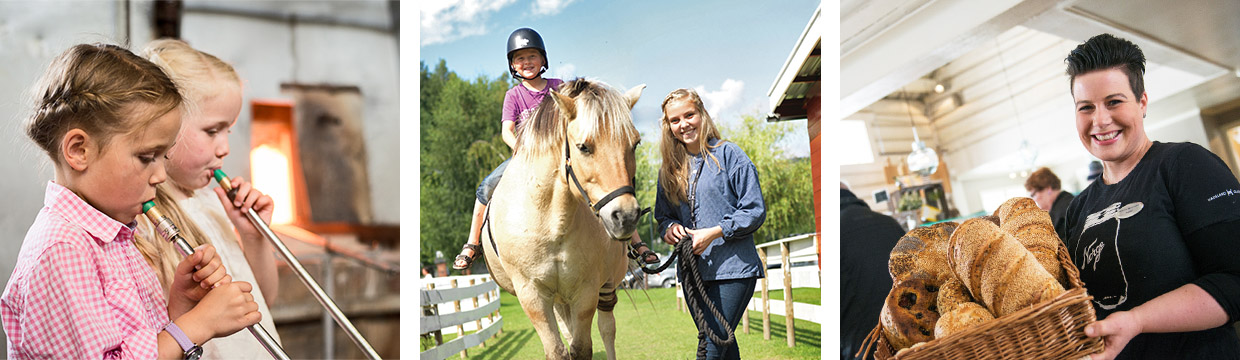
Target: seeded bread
964 316
1032 226
998 271
922 253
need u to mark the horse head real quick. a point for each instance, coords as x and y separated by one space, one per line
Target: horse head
600 142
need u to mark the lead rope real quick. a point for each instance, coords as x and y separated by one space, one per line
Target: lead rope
688 263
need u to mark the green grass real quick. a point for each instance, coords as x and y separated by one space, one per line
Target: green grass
801 295
651 329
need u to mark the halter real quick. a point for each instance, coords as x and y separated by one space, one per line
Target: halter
627 189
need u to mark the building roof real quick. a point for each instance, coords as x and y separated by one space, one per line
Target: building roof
800 72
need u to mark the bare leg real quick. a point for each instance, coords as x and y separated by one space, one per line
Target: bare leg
475 234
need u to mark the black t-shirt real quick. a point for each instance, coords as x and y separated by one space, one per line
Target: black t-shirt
866 239
1129 241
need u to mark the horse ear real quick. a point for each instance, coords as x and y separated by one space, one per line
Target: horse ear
567 107
633 94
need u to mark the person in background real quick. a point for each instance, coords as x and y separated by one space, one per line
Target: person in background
1095 170
1043 187
866 239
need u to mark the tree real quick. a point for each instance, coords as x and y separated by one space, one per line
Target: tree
460 144
786 183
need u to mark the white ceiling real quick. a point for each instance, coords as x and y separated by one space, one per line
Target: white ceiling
1001 62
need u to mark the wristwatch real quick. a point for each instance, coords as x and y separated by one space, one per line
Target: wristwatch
192 352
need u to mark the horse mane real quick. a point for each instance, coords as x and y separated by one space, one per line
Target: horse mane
543 134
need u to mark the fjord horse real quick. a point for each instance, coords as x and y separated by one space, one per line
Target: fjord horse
560 219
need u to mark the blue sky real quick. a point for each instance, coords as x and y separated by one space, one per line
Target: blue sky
730 51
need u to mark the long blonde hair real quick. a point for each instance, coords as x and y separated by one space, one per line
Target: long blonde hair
673 174
200 76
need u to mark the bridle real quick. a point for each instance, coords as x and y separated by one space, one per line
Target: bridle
627 189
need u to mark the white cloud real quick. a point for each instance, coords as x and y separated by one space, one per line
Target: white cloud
550 7
447 20
564 71
718 101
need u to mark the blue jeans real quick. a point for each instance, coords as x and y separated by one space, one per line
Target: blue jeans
730 297
487 187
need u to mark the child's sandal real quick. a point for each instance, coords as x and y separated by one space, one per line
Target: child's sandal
649 257
463 261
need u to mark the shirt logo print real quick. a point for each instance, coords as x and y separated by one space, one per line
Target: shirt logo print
1099 260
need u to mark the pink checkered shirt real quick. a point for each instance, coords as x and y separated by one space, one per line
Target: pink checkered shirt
80 289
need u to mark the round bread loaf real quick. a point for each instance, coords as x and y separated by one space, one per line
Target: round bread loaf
922 253
963 317
909 313
951 294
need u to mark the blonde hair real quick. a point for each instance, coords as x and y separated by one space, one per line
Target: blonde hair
98 88
159 253
200 76
673 174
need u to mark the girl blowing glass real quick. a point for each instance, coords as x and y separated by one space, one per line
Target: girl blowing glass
81 290
212 98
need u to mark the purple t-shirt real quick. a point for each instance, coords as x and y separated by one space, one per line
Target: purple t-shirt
520 101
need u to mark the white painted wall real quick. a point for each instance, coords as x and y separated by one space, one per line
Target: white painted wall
29 39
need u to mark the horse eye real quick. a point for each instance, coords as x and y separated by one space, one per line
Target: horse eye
583 148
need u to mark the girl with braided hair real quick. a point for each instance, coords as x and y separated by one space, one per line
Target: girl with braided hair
81 289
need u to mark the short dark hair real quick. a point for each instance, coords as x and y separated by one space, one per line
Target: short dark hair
1042 179
1105 51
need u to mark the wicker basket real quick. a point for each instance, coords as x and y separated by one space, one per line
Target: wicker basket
1053 329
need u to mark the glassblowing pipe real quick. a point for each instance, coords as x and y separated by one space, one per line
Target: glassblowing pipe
169 232
318 292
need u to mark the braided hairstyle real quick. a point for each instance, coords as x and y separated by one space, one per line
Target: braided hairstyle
103 89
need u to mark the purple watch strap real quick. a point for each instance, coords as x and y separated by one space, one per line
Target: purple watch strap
179 336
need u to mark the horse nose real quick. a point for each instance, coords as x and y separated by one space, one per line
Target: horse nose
625 217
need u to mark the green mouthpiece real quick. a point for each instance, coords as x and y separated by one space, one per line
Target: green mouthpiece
220 175
147 206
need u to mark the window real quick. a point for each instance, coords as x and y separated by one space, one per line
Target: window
854 140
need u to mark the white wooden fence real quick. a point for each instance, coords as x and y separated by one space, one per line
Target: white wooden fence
456 305
796 249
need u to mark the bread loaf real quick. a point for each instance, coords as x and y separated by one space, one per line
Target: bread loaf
1032 226
922 252
909 313
951 294
962 317
998 271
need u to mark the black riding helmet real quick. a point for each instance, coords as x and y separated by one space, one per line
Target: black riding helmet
526 38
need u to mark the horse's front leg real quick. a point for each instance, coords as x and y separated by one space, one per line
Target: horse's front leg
582 312
607 299
540 309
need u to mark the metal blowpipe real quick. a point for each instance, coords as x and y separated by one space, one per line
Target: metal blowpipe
169 232
318 292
